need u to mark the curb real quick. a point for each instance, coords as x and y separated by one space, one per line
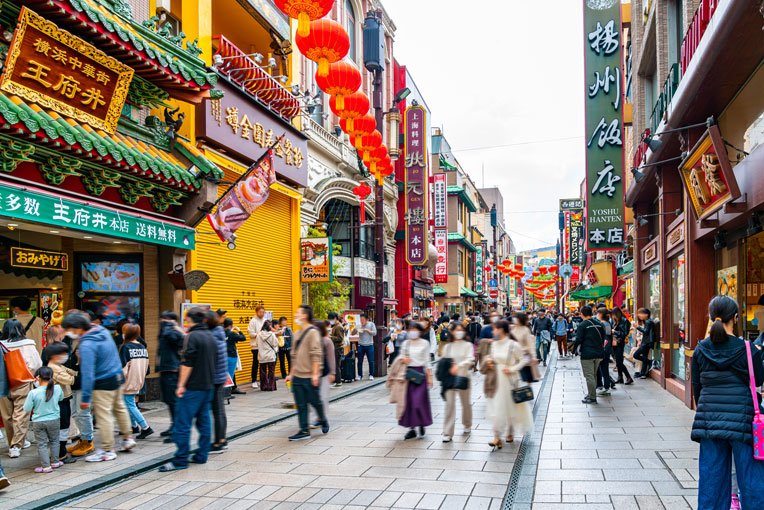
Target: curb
87 488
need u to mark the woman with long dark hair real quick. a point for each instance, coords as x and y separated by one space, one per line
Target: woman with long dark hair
722 426
621 330
415 353
646 326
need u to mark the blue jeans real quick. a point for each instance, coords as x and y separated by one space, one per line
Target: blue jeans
82 417
136 418
232 362
368 351
714 486
541 346
193 405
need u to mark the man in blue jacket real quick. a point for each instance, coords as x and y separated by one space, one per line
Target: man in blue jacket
102 379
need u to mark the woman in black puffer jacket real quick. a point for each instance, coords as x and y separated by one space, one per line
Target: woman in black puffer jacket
722 425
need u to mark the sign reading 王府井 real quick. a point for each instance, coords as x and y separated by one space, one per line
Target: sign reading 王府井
53 68
415 163
57 211
605 219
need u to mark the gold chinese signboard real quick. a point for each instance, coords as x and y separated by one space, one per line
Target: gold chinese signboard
39 259
708 176
59 71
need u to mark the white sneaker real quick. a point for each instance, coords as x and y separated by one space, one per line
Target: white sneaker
447 439
14 452
254 385
27 444
358 378
126 444
371 377
467 432
101 455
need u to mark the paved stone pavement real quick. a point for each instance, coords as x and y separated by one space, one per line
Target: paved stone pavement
631 451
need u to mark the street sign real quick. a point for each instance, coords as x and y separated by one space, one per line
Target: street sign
566 271
493 283
493 293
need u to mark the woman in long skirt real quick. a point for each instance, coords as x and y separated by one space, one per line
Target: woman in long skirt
507 358
266 355
416 356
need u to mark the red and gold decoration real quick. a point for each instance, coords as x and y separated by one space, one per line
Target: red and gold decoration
363 126
354 106
367 143
341 79
304 11
326 43
362 191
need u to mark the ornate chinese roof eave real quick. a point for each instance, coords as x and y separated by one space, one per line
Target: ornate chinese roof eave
158 58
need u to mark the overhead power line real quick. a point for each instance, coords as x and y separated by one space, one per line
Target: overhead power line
516 144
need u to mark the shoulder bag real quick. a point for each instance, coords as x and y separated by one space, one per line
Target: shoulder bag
16 368
523 393
413 376
758 420
457 382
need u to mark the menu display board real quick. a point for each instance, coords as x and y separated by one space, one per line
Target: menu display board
107 276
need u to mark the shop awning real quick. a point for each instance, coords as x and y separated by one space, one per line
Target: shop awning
456 237
438 290
463 196
118 152
627 268
593 293
464 291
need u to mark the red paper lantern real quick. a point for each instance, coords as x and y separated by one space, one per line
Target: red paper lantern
362 191
341 79
553 269
542 269
376 156
355 106
506 262
367 143
536 273
326 43
305 11
490 262
518 267
363 126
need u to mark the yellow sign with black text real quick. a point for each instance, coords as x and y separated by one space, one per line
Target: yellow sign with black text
39 259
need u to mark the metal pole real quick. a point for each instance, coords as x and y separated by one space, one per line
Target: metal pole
379 238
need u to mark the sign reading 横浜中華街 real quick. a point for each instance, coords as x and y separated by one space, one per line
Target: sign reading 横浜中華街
59 71
39 259
604 125
55 211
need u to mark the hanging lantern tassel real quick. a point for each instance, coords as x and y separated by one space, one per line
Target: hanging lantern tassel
362 212
340 103
303 24
323 67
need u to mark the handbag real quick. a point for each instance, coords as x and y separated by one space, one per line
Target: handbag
16 368
459 383
758 420
281 341
413 376
522 394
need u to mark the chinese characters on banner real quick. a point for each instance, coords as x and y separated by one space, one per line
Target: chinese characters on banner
512 282
316 259
416 186
576 237
604 125
439 201
441 267
566 239
479 268
59 71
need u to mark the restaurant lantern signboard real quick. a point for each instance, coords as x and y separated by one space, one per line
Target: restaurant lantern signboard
61 72
604 125
708 176
479 268
416 186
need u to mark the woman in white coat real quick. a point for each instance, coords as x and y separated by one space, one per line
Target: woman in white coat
507 358
462 354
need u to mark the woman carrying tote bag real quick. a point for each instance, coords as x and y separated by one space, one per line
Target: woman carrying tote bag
16 420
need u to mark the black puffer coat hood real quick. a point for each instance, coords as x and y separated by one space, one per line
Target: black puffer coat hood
721 388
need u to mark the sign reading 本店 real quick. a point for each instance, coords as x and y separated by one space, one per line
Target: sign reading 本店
59 71
439 197
39 259
604 125
60 212
479 268
316 259
416 185
441 245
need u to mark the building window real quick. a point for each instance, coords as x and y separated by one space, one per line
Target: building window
460 261
337 217
366 287
351 28
470 265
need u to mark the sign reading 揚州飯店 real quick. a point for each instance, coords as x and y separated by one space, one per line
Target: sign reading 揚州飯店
416 186
604 125
39 259
31 205
59 71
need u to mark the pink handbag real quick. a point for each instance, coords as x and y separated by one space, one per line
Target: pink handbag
758 419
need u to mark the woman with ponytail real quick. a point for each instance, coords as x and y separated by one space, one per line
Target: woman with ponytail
725 412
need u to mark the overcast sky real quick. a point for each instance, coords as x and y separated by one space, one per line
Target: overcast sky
500 72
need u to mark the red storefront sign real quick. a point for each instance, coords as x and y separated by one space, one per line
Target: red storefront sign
576 276
439 196
416 186
441 267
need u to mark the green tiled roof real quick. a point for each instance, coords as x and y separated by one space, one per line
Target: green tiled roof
464 291
463 196
456 237
438 290
117 151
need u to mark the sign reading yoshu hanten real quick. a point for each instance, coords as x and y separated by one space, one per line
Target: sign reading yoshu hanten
604 125
576 234
708 175
53 68
479 268
439 197
56 211
416 186
238 124
39 259
441 245
316 259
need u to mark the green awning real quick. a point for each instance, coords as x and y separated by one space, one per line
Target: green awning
627 268
464 291
593 293
447 167
456 237
438 290
463 196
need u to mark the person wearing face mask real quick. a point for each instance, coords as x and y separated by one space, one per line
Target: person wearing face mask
416 356
398 336
523 336
57 354
461 353
337 334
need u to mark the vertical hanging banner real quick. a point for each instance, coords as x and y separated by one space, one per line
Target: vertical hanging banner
416 186
441 267
439 196
604 125
479 268
512 284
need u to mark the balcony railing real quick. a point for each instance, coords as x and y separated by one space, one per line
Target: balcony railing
255 80
664 100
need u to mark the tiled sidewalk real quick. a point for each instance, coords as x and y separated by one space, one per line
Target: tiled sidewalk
630 451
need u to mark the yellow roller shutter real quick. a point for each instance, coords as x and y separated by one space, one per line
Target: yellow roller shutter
259 270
